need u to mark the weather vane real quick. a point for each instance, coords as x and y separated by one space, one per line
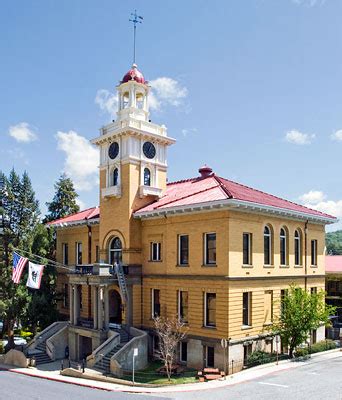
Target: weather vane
136 19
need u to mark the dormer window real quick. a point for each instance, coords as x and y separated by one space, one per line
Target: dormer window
115 177
147 177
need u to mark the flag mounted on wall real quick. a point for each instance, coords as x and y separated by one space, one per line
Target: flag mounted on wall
35 274
19 263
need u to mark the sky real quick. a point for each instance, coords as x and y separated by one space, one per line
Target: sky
252 88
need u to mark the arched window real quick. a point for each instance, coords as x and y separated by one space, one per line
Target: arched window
298 247
115 251
139 99
147 177
267 246
115 177
283 247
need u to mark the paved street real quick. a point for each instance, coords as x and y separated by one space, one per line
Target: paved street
314 380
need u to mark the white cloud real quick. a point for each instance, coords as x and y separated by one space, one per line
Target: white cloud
317 201
309 3
81 204
299 138
22 132
337 136
164 92
81 161
188 131
313 197
167 91
107 101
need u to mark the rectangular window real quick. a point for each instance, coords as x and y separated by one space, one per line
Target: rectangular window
210 309
183 249
78 253
246 308
283 294
210 357
155 251
155 301
313 290
183 356
183 306
209 248
65 247
268 307
66 296
247 248
79 288
313 252
97 254
247 351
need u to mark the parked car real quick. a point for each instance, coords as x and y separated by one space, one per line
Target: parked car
18 341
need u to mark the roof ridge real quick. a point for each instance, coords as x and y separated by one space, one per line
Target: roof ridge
218 179
190 195
274 196
181 181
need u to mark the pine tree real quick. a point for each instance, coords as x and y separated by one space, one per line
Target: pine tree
20 215
64 200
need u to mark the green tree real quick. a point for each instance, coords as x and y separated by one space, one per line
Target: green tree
300 313
42 308
20 215
64 200
334 243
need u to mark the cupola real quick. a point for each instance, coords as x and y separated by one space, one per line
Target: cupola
205 171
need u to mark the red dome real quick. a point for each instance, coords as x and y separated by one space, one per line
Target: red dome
134 74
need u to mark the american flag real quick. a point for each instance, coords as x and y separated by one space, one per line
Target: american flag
19 263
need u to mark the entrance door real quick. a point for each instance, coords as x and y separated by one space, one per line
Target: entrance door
85 347
115 307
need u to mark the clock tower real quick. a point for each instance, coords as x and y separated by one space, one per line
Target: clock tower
133 167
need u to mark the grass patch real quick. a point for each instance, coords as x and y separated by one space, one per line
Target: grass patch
149 375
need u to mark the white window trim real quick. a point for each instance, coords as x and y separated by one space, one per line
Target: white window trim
299 238
314 255
249 248
152 302
205 311
249 302
179 305
179 248
270 244
64 245
158 258
286 252
205 248
77 253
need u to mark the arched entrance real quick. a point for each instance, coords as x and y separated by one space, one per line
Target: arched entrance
115 307
115 251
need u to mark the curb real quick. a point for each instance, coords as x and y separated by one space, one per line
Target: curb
176 388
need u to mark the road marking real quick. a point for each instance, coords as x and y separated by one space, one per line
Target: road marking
273 384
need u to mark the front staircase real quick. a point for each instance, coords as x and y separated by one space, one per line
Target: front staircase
40 354
103 364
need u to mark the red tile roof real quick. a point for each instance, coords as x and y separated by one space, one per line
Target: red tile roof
333 264
85 215
210 188
213 188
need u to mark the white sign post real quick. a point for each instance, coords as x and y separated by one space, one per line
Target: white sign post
135 353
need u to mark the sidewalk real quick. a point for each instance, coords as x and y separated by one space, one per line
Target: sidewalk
51 372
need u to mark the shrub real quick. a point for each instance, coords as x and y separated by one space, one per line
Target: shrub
1 347
26 334
260 357
323 345
301 352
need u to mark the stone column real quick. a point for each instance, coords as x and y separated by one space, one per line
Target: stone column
100 308
71 303
76 305
129 306
95 306
106 307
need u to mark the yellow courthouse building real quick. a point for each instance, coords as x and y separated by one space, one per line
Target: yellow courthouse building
214 253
